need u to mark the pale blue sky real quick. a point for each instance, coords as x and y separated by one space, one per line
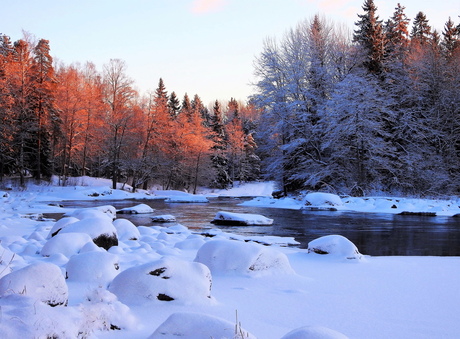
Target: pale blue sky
197 46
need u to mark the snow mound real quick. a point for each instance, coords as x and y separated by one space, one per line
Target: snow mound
66 244
236 257
197 326
60 224
163 218
314 332
41 281
243 219
166 279
320 199
138 209
93 267
83 213
126 230
334 245
101 230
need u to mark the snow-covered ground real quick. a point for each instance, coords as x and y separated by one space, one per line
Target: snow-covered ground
167 282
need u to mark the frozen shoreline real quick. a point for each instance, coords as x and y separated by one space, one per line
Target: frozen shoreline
377 297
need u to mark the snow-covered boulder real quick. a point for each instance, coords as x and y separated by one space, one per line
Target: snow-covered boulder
243 219
237 257
91 212
60 224
314 332
138 209
320 200
67 244
163 218
166 279
41 281
197 326
93 267
334 245
101 231
126 230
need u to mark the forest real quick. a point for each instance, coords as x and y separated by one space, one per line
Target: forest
373 110
355 113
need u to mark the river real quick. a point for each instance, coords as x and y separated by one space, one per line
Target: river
376 234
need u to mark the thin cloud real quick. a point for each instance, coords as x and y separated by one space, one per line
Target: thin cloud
207 6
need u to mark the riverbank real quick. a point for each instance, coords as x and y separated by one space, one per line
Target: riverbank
377 297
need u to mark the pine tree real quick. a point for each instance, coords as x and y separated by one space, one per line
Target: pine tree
421 31
451 39
174 105
371 38
44 107
219 157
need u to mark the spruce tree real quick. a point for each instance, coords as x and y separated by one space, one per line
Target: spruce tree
370 36
421 31
174 105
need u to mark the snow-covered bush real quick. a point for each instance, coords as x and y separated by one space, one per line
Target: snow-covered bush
93 267
41 281
126 230
101 230
197 326
67 244
166 279
237 257
334 245
320 199
314 332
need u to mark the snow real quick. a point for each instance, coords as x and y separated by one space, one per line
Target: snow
334 246
245 219
138 209
277 291
198 326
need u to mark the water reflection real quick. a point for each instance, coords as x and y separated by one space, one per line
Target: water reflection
373 233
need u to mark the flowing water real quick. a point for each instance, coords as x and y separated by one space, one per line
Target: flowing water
376 234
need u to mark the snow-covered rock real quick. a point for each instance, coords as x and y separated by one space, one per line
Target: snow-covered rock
60 224
237 257
243 219
67 244
314 332
198 326
82 213
126 230
93 267
101 230
138 209
166 279
334 245
163 218
322 200
39 280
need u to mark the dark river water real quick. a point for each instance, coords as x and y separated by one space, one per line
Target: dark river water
376 234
